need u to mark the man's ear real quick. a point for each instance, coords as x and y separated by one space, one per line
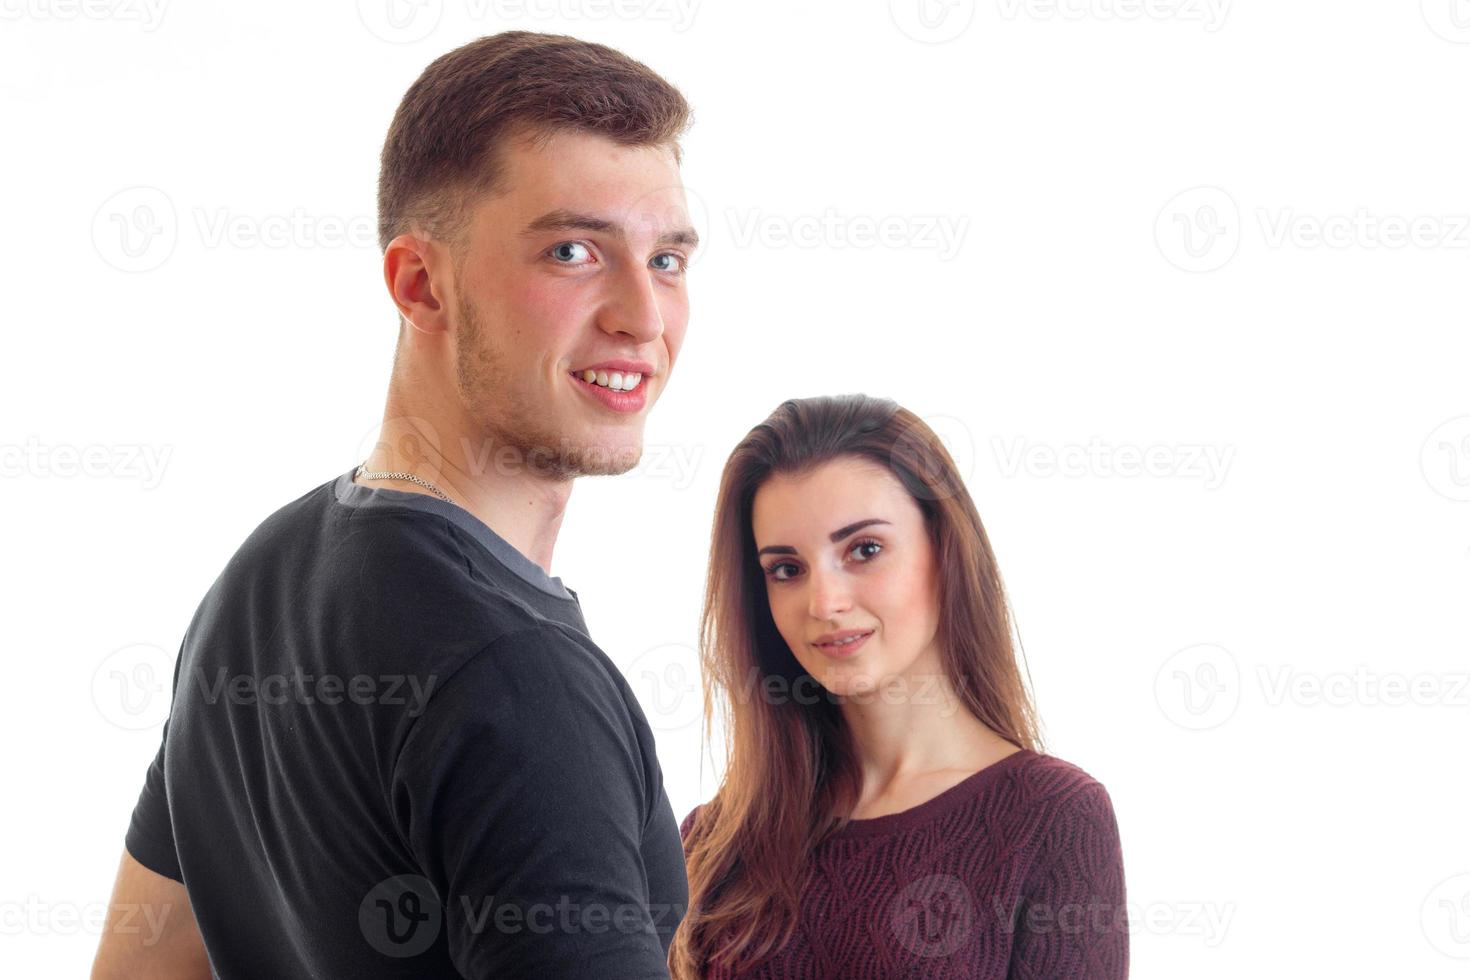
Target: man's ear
417 272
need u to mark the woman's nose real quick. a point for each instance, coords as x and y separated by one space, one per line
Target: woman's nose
829 595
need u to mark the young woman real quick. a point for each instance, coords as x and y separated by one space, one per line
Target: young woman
886 809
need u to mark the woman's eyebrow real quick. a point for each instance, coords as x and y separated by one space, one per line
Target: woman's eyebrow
834 537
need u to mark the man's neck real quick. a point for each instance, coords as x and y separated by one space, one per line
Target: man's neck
522 507
523 510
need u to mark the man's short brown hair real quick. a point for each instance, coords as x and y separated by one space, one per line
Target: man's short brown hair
443 148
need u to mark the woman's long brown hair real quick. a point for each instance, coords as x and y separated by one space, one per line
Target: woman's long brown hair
791 775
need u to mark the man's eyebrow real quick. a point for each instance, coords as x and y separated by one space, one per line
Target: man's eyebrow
834 537
564 220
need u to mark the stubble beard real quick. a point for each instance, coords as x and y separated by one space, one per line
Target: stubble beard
518 441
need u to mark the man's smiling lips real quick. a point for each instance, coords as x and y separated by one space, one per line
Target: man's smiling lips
615 371
620 364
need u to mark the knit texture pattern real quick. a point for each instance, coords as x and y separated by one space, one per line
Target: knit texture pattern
1015 872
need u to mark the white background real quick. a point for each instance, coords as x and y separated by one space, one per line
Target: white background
1231 238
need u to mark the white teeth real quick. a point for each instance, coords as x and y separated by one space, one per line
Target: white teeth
612 379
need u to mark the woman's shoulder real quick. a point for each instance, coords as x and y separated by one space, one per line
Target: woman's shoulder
1050 775
1060 798
687 824
1051 783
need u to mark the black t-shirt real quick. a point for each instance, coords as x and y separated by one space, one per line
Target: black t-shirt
393 751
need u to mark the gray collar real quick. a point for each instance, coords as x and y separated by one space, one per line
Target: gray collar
354 494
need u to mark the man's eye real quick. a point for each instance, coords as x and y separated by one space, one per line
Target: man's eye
569 253
677 263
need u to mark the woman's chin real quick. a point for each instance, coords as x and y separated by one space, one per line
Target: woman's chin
850 680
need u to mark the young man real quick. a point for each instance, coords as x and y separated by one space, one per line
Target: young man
393 750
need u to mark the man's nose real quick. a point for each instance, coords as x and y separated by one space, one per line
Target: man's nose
633 308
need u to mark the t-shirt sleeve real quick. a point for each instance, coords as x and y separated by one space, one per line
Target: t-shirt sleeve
523 795
1072 921
150 835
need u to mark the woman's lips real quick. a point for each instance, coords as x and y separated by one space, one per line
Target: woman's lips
843 649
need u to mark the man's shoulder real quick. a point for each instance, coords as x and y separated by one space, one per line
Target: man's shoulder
531 687
323 542
532 655
386 579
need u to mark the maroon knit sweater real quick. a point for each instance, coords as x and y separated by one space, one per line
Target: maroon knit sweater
1016 872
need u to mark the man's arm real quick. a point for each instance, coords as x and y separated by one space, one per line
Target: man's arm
521 794
150 930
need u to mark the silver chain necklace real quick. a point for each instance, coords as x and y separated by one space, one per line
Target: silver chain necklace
367 475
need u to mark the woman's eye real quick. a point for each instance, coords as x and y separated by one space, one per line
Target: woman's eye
774 571
568 253
676 264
